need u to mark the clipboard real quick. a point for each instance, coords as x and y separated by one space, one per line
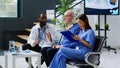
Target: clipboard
68 35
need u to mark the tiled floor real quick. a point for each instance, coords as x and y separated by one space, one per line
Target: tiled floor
108 60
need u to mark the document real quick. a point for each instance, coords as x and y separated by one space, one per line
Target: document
68 35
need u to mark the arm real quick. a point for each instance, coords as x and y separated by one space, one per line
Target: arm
81 40
48 35
56 37
85 43
53 35
89 41
33 37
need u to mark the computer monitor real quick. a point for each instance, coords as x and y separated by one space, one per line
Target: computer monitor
101 7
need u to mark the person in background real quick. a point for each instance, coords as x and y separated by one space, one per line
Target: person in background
41 35
72 26
85 44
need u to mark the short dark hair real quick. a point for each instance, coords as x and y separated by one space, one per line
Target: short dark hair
84 18
40 13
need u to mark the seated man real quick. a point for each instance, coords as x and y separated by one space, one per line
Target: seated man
71 26
41 35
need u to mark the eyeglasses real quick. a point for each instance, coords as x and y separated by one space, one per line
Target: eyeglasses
67 15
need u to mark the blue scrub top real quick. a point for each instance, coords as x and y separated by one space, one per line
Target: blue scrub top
64 41
88 36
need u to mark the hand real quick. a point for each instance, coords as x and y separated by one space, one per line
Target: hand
53 46
57 46
36 42
48 35
75 37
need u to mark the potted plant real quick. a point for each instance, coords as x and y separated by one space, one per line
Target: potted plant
60 24
96 26
64 6
106 26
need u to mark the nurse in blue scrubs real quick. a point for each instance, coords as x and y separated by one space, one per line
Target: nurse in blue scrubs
77 51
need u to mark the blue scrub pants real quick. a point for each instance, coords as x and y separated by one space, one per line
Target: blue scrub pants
59 60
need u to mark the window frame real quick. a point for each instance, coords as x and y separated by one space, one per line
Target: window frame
19 12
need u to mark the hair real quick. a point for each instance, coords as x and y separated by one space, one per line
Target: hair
70 12
40 14
84 18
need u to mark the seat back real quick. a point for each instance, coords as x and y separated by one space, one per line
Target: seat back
95 58
99 43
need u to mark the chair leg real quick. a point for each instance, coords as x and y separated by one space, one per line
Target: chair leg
95 66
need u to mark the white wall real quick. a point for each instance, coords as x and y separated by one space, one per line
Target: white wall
114 33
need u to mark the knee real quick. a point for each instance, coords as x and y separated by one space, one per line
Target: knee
52 51
49 51
62 50
44 50
25 46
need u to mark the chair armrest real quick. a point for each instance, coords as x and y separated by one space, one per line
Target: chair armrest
92 58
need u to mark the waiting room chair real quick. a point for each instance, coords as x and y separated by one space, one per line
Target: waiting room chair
92 59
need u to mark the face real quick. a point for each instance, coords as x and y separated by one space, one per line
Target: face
42 19
81 23
68 18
